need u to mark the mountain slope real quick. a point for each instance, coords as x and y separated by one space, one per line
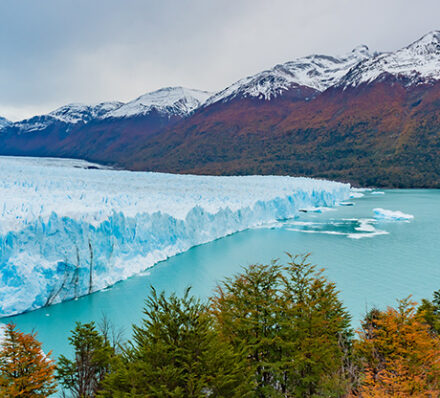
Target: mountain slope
366 118
105 132
377 125
386 135
4 122
172 101
317 72
417 63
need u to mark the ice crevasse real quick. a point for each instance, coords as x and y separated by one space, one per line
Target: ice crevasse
68 229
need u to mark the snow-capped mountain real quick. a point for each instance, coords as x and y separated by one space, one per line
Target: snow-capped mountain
74 113
417 63
4 122
296 118
382 132
317 72
173 101
68 114
170 101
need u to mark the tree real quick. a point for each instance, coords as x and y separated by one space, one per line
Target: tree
177 353
430 312
83 375
292 326
248 314
25 371
399 353
317 334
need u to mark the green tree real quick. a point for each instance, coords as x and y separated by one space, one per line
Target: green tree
247 310
292 326
25 371
315 329
430 312
177 353
83 375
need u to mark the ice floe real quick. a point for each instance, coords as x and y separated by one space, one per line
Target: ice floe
391 215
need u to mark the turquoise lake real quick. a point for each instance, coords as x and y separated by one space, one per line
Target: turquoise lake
372 262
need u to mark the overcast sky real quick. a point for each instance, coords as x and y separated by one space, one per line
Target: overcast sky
53 52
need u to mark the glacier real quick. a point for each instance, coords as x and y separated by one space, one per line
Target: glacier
69 228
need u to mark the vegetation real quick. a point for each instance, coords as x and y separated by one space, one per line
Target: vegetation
272 331
399 354
176 353
25 371
295 332
83 375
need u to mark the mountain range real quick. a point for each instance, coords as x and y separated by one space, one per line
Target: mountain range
369 118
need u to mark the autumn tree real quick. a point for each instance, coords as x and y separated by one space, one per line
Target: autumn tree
292 326
177 353
25 371
399 353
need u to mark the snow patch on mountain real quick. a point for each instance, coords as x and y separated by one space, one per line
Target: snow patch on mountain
66 231
417 63
4 122
77 112
317 72
172 101
68 114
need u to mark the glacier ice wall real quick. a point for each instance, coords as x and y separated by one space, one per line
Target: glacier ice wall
68 229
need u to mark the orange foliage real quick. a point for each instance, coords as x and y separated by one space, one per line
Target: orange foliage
401 357
25 371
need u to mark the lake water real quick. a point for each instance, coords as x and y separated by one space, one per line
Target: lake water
372 263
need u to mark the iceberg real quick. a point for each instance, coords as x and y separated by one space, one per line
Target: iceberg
69 228
390 215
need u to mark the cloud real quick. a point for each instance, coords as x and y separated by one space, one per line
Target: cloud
53 52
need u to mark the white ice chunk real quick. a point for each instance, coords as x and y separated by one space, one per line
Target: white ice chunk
390 215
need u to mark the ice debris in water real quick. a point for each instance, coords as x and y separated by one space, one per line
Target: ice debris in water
390 215
66 230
